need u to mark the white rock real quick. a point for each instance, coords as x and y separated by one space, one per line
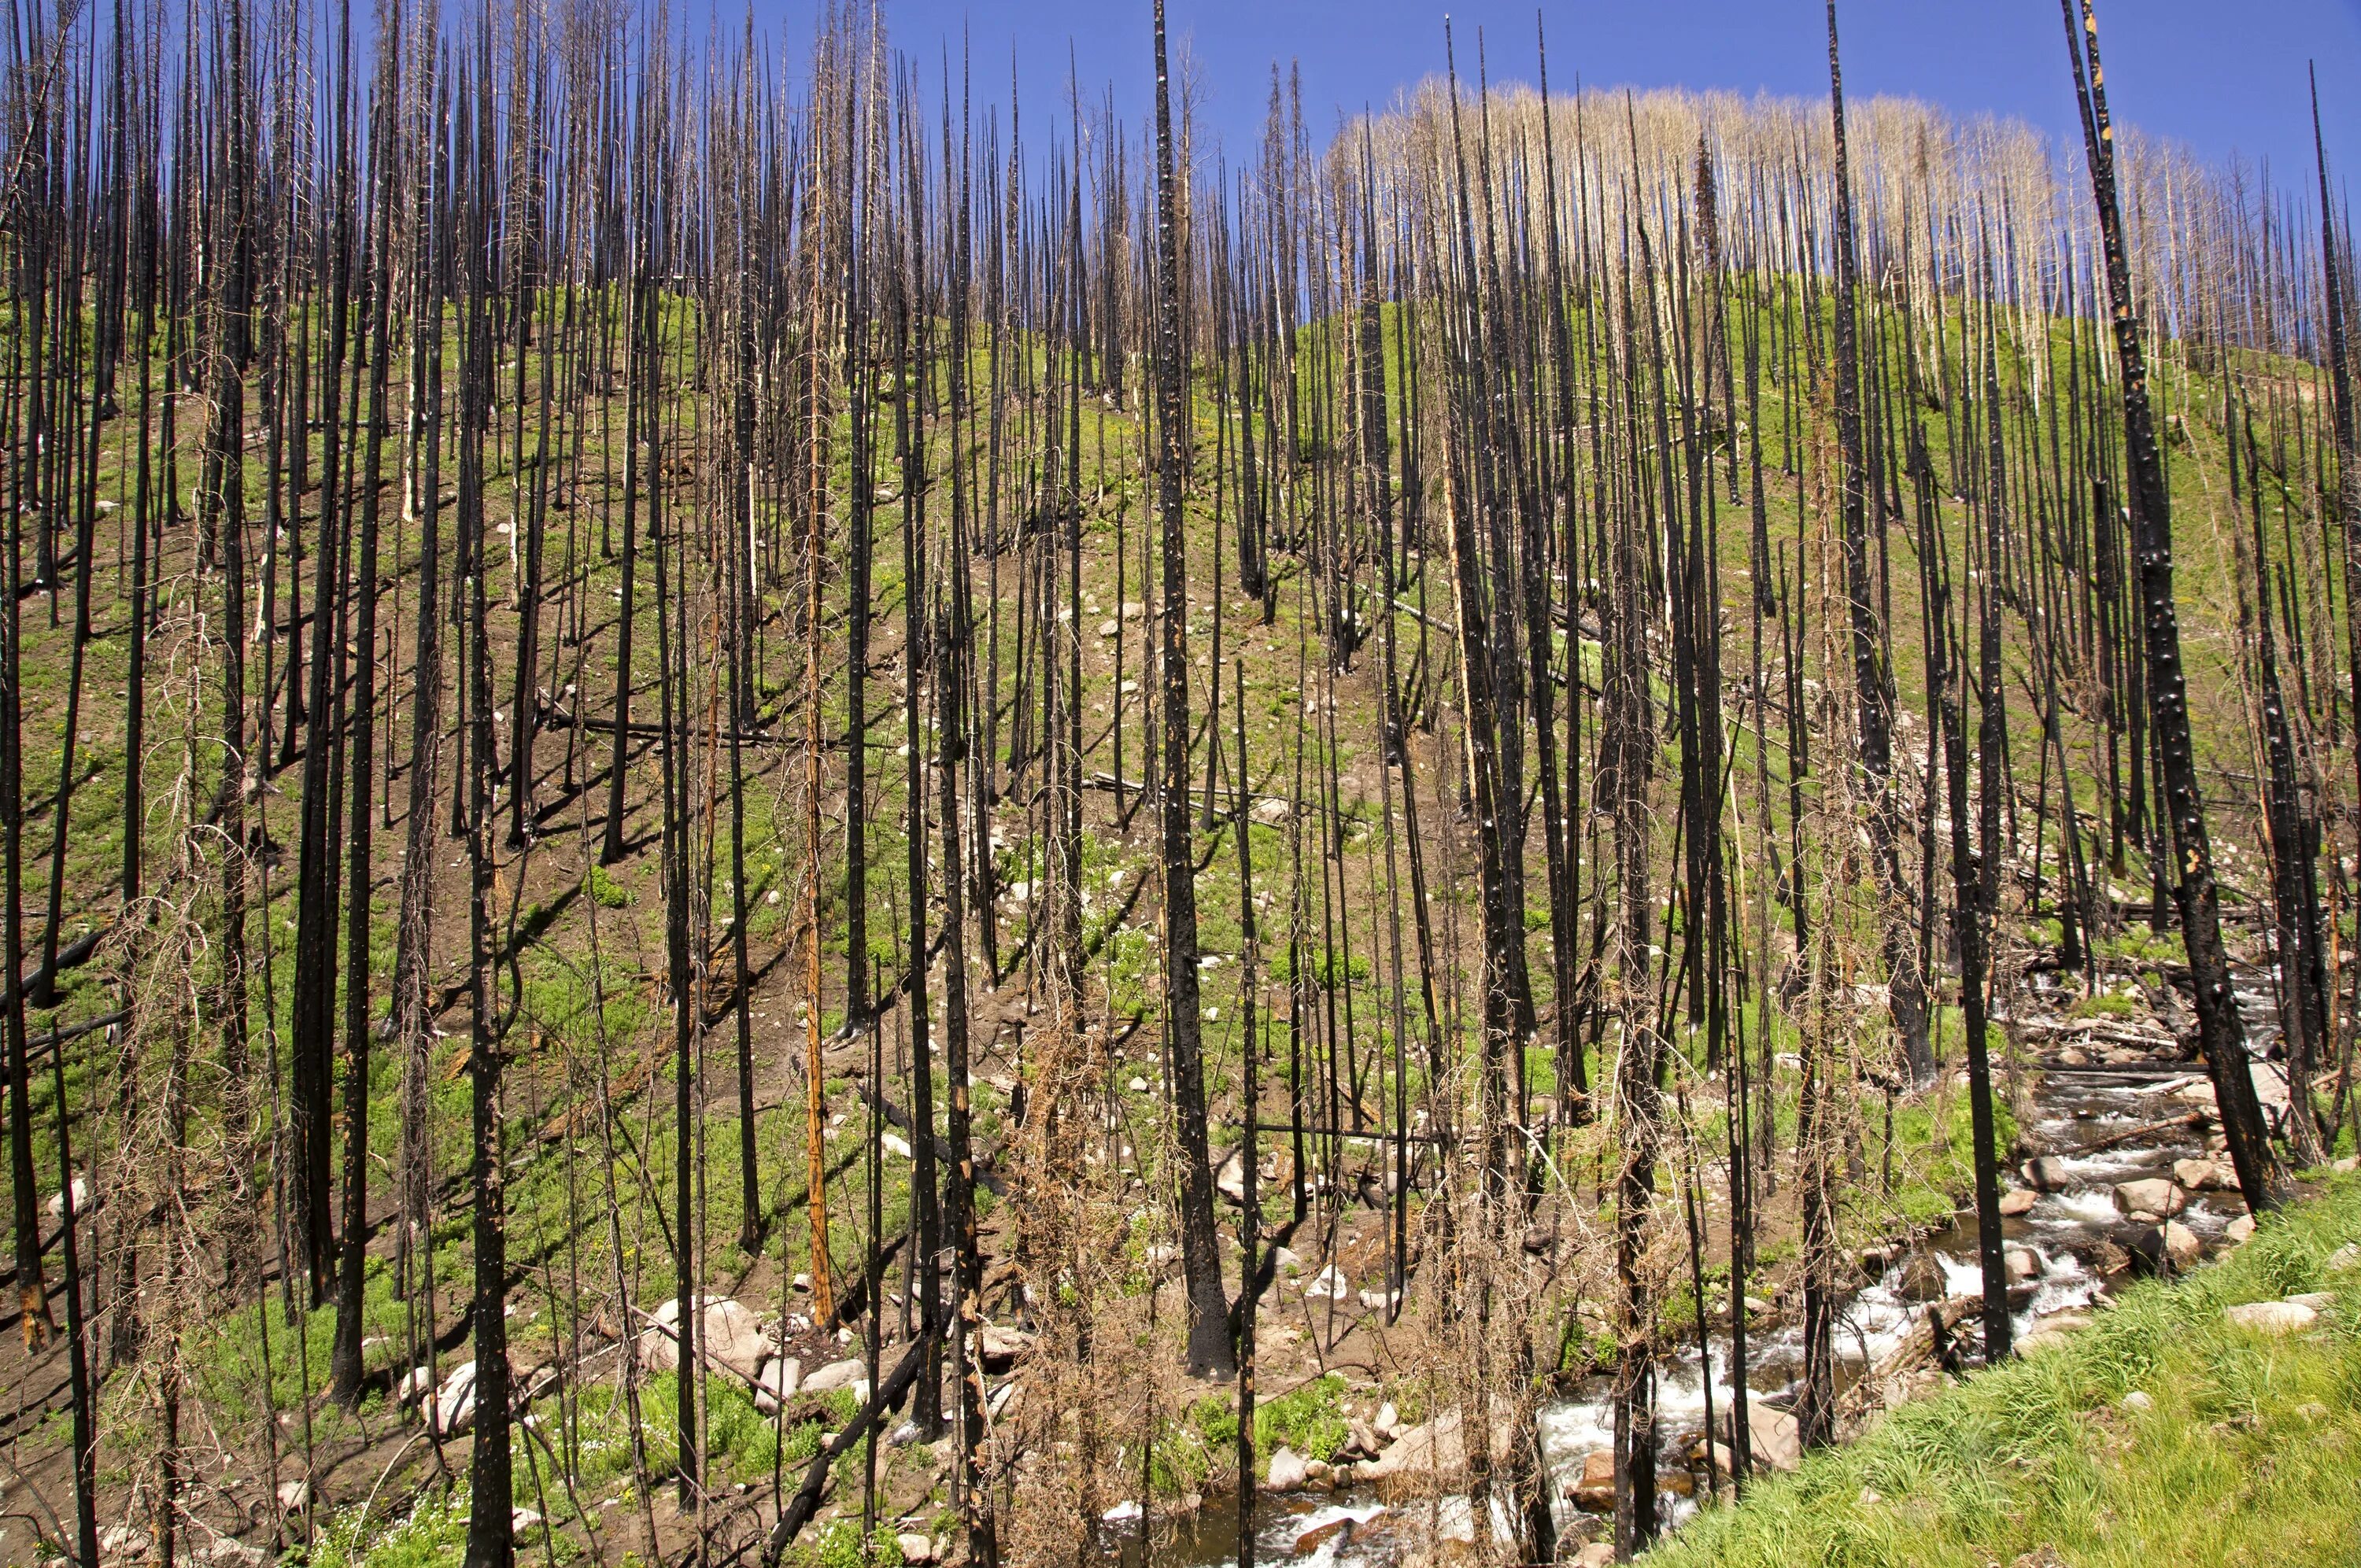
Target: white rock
451 1409
782 1376
1121 1513
894 1145
2204 1175
2150 1195
915 1547
834 1376
81 1200
122 1540
523 1519
731 1338
2343 1258
414 1385
2273 1317
1772 1436
999 1345
2138 1400
294 1496
2239 1230
2181 1244
1289 1471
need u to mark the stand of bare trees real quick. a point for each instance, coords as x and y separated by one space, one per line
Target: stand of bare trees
1778 521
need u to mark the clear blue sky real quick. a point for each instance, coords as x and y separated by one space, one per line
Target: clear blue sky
2224 76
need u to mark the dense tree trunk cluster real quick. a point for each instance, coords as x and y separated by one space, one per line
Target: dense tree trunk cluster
1638 621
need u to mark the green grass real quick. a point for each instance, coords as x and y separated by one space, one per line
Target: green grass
2249 1453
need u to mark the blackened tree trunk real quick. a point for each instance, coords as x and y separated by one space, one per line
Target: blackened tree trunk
1209 1334
490 1542
1873 682
2220 1030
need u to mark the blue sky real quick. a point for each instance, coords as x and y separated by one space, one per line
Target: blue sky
2224 76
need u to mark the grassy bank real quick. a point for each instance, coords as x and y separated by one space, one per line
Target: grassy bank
2248 1449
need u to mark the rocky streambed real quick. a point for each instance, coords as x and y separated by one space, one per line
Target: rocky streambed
2120 1174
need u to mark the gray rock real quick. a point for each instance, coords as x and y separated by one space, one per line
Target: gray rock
781 1377
834 1376
2204 1175
451 1410
1000 1346
1289 1471
2273 1317
2181 1244
1922 1279
2137 1400
2150 1195
2046 1174
1772 1436
731 1338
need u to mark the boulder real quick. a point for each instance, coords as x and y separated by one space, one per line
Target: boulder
2204 1175
2273 1317
834 1376
1289 1471
2051 1332
80 1189
451 1410
2240 1230
915 1547
296 1495
1922 1279
1428 1449
731 1338
2020 1264
1773 1437
2180 1244
2018 1200
2046 1174
781 1377
121 1542
1000 1345
1597 1554
1230 1180
523 1519
2343 1258
2150 1195
1594 1493
2137 1401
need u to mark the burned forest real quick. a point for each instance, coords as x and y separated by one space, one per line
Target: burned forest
767 801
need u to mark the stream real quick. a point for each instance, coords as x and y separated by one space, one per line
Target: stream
2098 1080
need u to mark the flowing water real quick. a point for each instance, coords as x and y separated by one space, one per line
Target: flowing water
2074 1233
